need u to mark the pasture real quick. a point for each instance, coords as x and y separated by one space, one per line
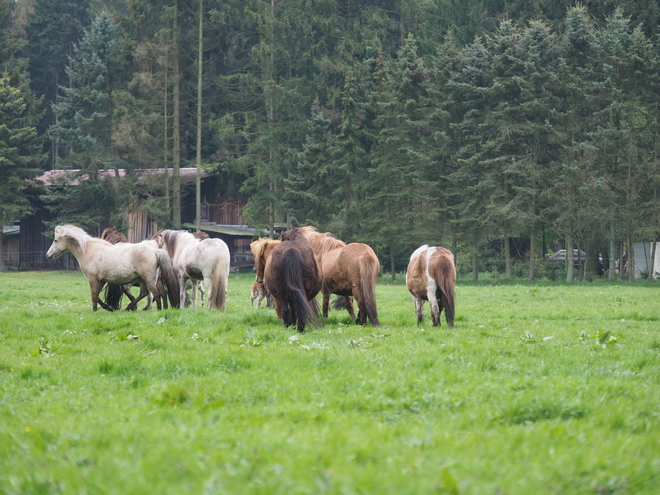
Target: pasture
540 388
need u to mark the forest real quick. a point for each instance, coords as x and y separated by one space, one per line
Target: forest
492 127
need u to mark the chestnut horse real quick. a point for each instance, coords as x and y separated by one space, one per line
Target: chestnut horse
431 277
349 270
291 275
120 264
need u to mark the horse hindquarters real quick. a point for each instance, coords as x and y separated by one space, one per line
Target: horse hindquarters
294 305
218 287
366 297
170 278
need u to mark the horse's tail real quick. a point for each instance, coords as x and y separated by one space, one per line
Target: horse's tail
169 277
369 268
296 296
113 295
219 287
445 276
339 302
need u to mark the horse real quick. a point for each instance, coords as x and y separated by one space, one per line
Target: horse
431 276
197 260
292 275
349 270
102 262
261 249
113 293
258 292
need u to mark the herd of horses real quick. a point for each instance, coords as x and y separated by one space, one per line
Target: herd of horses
290 273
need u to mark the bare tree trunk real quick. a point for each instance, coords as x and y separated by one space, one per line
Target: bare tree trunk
475 261
176 127
532 255
507 257
392 264
570 259
166 144
198 159
612 268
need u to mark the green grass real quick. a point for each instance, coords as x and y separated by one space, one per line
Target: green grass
540 388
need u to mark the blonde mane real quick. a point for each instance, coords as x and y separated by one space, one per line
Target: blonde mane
75 234
257 247
321 243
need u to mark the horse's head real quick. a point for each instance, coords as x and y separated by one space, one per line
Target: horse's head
261 250
66 238
293 234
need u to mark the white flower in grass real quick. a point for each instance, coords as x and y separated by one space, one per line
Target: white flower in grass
194 336
293 339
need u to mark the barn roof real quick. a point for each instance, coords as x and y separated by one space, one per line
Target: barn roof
72 177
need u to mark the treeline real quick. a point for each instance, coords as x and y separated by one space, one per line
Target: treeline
391 122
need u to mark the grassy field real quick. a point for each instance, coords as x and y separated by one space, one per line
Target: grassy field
538 389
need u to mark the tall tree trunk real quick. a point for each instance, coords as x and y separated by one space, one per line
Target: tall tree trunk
198 158
611 273
532 255
392 263
475 261
570 259
176 126
507 257
2 240
166 143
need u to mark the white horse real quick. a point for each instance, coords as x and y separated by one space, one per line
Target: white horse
102 262
431 276
198 260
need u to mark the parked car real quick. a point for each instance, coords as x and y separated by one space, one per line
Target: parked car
578 256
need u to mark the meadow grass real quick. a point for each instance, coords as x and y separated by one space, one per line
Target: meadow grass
540 388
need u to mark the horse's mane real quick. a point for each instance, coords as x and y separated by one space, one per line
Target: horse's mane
113 236
75 234
257 247
321 242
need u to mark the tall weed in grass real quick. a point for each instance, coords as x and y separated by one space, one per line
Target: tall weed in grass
540 388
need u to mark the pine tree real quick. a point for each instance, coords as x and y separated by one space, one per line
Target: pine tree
20 153
309 187
86 110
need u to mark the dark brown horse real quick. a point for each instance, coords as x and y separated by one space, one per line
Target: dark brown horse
291 274
348 270
431 277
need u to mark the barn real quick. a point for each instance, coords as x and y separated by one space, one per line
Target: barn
25 245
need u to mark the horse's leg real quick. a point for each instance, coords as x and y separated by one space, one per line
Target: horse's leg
193 293
326 300
95 288
143 292
127 290
419 309
182 289
435 309
351 309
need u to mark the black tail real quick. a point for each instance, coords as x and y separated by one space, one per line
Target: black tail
297 309
113 295
170 278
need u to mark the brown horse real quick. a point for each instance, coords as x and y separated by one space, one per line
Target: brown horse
431 277
113 293
291 274
349 270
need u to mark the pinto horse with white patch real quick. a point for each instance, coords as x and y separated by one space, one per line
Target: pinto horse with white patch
431 277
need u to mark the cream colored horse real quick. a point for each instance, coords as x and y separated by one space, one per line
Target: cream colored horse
431 277
102 263
198 260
